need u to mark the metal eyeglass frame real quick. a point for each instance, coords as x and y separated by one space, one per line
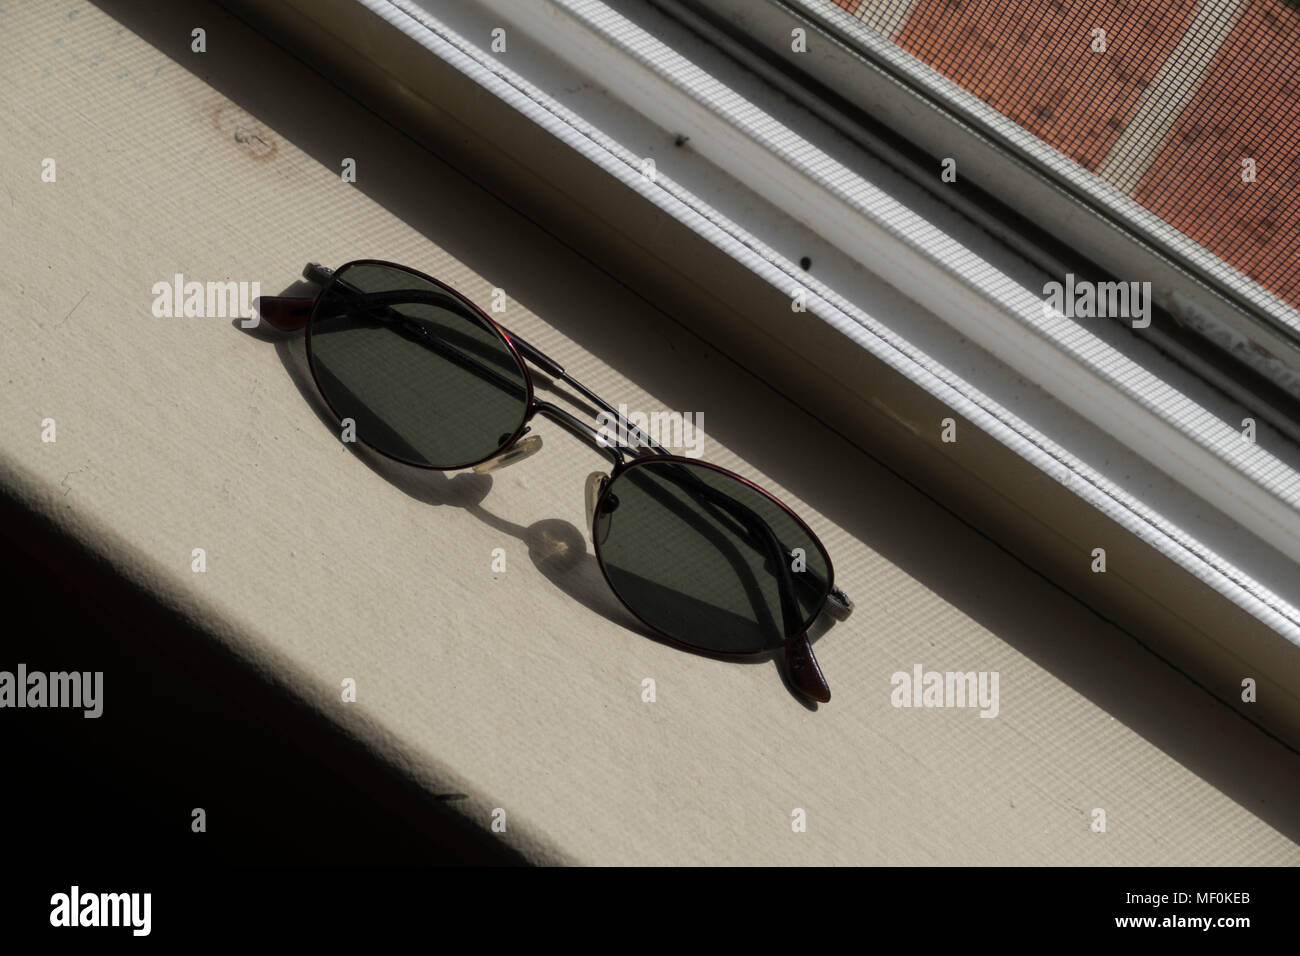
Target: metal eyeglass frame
288 313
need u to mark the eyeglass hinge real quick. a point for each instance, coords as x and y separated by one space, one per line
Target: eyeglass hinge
840 605
317 273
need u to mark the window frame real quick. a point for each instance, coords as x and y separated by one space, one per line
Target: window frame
1228 309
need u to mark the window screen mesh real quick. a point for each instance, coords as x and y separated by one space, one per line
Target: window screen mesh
1191 107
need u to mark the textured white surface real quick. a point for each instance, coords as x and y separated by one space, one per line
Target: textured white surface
523 689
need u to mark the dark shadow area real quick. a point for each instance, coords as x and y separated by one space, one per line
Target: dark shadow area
185 725
858 493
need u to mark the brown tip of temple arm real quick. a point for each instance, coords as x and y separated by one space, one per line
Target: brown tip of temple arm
805 673
285 312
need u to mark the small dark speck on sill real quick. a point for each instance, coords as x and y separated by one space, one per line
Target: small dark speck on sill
805 263
681 139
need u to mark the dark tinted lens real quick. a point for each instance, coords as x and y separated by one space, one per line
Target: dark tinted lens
425 379
708 560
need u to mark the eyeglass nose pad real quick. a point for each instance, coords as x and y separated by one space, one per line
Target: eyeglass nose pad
517 452
595 485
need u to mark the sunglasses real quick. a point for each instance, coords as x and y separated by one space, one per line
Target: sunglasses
701 556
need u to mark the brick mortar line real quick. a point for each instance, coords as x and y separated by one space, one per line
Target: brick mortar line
1169 94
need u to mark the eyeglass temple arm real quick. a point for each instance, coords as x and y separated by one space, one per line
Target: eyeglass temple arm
842 606
801 663
286 313
290 313
804 671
